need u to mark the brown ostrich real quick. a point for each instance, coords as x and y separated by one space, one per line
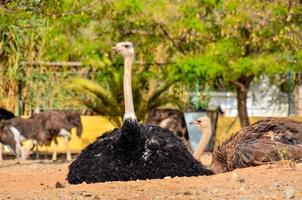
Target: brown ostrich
135 151
265 141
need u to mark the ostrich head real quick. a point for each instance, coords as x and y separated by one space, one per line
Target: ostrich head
202 122
125 49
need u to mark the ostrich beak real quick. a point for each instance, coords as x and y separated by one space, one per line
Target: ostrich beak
195 122
115 49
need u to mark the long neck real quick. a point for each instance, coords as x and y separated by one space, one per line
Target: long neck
205 138
129 108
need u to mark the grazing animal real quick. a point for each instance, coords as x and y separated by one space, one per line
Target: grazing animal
60 125
42 128
11 134
173 120
134 151
4 138
265 141
8 139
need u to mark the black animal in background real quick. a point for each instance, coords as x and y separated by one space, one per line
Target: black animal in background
4 137
134 151
5 114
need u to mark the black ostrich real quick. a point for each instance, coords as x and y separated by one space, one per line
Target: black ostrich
134 151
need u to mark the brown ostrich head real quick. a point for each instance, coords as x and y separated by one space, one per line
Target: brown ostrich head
202 122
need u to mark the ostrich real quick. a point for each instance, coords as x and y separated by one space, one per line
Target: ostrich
4 115
60 125
42 127
134 151
173 120
265 141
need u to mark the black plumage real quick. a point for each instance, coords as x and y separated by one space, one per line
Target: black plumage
116 156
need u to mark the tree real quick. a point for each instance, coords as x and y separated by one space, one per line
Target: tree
82 31
92 45
17 44
229 43
245 40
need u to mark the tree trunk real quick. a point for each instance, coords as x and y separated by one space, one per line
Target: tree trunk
242 87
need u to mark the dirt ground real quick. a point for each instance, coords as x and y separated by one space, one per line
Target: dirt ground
40 179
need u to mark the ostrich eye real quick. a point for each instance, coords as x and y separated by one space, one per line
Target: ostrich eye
126 45
199 121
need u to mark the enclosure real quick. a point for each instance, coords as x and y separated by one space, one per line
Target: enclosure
236 62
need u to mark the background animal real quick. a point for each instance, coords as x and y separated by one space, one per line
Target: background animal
5 114
265 141
4 138
173 120
59 123
20 129
133 151
43 128
7 138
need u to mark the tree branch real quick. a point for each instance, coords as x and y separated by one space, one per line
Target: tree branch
139 32
80 64
243 82
289 7
238 84
70 64
167 34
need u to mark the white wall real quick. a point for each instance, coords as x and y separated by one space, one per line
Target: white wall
264 99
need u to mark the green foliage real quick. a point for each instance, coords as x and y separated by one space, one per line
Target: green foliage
129 6
207 40
254 37
194 68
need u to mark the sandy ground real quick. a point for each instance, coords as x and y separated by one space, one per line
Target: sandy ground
46 180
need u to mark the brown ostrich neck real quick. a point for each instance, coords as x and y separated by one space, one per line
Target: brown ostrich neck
204 140
129 108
